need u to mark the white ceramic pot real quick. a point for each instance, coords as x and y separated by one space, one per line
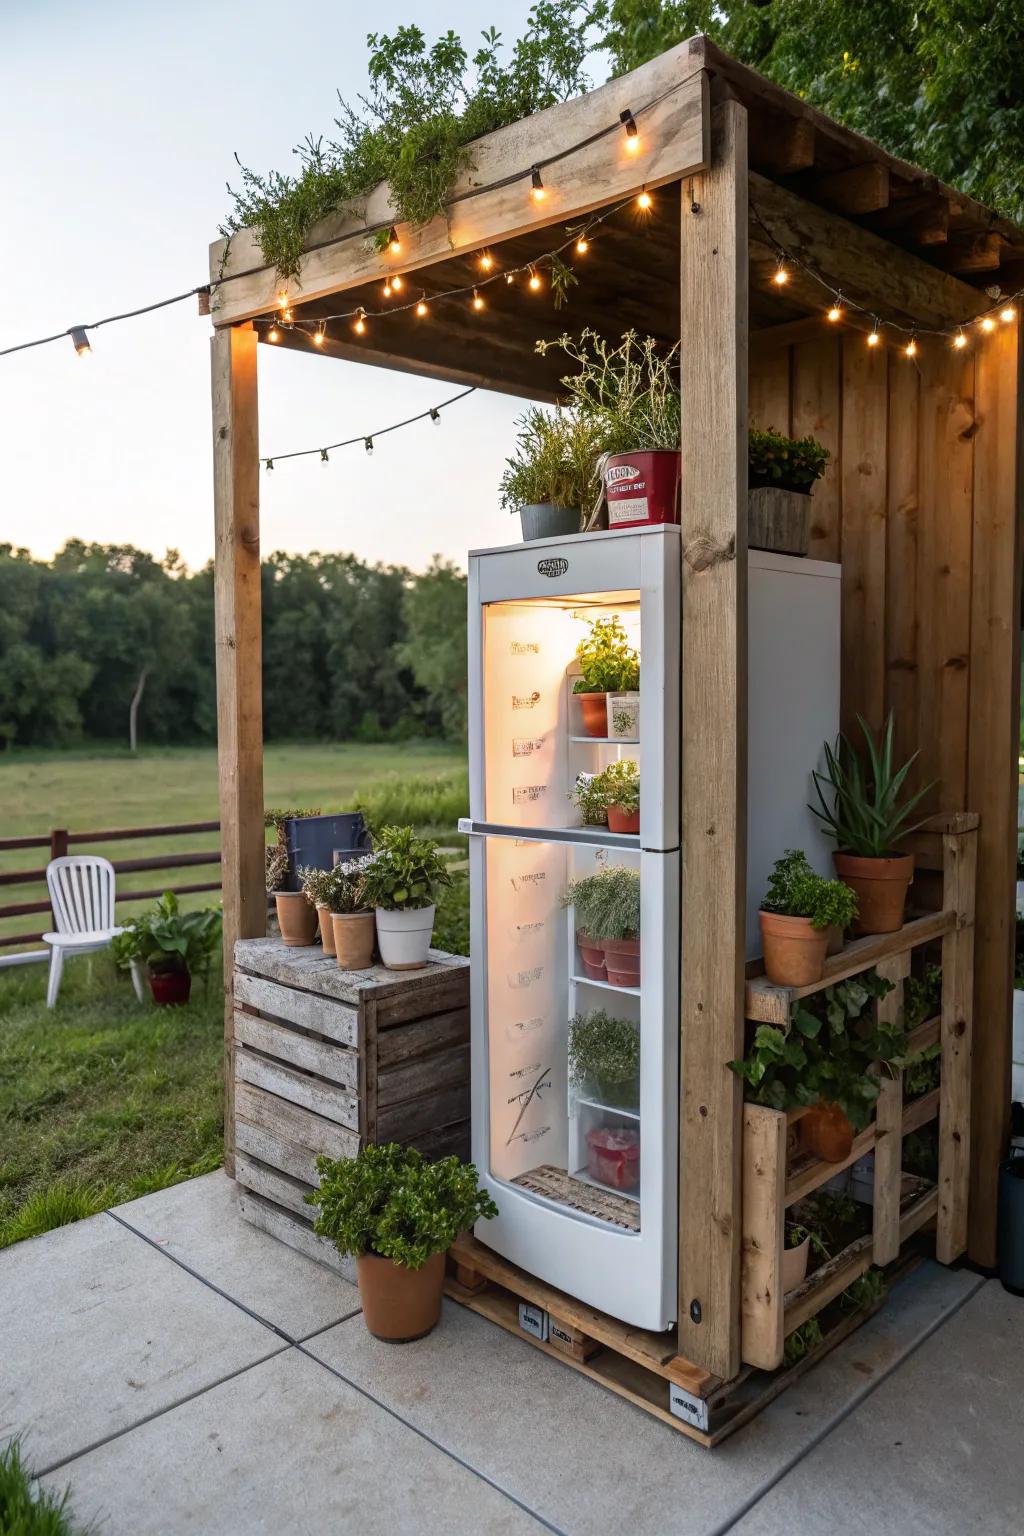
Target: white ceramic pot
404 937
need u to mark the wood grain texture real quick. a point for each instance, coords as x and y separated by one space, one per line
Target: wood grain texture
902 624
309 1054
889 1125
764 1180
322 1099
956 1037
303 1135
238 647
714 704
769 389
816 413
864 493
294 1230
311 1011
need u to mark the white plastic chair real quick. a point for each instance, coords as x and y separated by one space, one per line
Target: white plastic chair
82 897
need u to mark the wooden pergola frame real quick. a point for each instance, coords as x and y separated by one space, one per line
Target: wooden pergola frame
746 165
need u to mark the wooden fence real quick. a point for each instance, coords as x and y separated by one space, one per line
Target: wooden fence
60 841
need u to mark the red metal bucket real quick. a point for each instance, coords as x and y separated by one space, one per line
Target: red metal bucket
642 487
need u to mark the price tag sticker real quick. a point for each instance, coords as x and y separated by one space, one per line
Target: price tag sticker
533 1320
694 1410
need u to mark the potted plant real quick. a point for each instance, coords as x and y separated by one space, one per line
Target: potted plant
171 945
799 1240
604 1059
796 917
396 1214
607 912
866 818
296 918
619 787
608 664
352 918
630 393
592 805
316 884
552 475
401 884
781 472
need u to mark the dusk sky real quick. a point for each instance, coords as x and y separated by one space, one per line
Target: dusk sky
120 122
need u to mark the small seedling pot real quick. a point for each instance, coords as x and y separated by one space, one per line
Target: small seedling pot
400 1304
794 951
591 956
404 937
827 1133
324 916
170 987
623 821
545 520
622 961
595 713
880 886
296 919
794 1265
354 937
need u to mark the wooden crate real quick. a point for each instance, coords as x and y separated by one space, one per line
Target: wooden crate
327 1061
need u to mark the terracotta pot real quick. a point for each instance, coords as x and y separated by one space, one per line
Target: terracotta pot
400 1304
880 886
623 821
355 934
794 1265
296 918
794 951
591 956
170 987
595 713
324 916
622 960
827 1132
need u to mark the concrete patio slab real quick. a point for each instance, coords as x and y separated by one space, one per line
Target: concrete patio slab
284 1447
587 1461
198 1224
936 1449
98 1330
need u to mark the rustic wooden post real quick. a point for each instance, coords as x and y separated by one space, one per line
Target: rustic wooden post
959 867
713 364
889 1125
239 663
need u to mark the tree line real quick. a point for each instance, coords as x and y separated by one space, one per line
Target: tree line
107 643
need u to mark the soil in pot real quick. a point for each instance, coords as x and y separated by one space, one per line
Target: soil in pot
623 821
595 713
170 987
404 937
622 961
355 934
794 1265
324 917
591 956
545 520
881 888
827 1132
296 919
400 1304
794 951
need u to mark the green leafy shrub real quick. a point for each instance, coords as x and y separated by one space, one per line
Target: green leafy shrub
166 939
604 1057
555 460
406 871
794 890
628 392
339 889
867 815
619 784
390 1201
792 464
607 905
608 663
922 996
592 804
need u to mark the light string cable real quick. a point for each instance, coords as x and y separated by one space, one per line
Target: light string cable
433 413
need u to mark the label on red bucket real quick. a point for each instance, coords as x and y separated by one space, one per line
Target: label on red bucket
642 488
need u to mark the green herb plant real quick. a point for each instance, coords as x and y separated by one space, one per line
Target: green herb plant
339 889
802 1341
608 663
166 939
607 905
406 871
604 1058
792 464
629 390
794 890
590 800
867 814
922 996
618 785
555 460
388 1200
866 1291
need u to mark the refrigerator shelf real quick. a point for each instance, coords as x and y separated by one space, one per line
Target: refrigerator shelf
582 1177
608 741
607 1109
606 986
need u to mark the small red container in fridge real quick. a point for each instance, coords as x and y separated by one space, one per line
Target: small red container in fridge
642 488
613 1156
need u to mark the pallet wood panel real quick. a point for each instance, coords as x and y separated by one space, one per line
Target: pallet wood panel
956 1037
764 1210
299 1050
889 1125
339 1022
289 1228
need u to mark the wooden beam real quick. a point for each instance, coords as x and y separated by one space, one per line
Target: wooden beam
713 379
887 281
972 253
993 727
783 146
858 189
673 137
236 596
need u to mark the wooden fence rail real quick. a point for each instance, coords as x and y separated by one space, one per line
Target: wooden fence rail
59 841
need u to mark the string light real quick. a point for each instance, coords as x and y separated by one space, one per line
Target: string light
394 244
80 340
959 340
387 287
487 261
534 280
628 122
478 302
421 308
538 191
318 336
835 314
270 465
323 455
396 282
368 444
282 298
360 325
582 245
988 324
874 337
910 350
1008 314
781 277
273 334
286 315
644 200
435 415
510 278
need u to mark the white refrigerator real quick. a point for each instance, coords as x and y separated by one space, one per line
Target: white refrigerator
585 1181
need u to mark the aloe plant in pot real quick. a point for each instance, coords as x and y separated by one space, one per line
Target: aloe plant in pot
867 816
396 1214
401 882
797 915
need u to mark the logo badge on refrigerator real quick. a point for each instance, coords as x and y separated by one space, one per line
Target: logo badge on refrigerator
553 566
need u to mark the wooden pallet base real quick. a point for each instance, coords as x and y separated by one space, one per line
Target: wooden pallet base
641 1367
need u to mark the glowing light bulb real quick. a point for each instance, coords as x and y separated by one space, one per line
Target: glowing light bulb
1007 314
538 191
910 350
360 325
273 334
988 324
873 338
282 298
959 340
396 283
781 277
318 338
644 200
387 288
487 261
834 314
421 308
582 246
286 315
79 340
628 122
394 244
534 281
478 302
510 278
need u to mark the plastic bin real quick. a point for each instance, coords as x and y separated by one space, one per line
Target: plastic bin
320 842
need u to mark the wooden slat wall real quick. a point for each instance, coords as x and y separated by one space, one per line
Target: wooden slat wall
921 504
